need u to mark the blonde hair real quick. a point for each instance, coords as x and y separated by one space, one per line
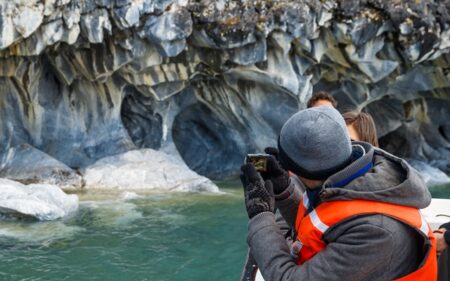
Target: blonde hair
364 126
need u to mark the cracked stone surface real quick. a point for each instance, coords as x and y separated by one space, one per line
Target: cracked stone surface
213 80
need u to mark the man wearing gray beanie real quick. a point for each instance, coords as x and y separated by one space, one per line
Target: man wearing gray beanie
358 218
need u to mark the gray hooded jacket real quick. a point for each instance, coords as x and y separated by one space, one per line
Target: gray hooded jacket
371 247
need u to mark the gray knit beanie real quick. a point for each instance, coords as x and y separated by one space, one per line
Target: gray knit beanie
314 143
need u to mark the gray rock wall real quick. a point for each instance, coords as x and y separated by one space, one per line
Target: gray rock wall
213 80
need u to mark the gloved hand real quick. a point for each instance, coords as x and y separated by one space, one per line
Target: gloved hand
258 194
275 173
272 151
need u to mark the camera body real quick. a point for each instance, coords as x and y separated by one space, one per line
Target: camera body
258 160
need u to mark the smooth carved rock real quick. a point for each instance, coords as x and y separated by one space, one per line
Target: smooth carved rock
210 81
145 170
29 165
430 174
38 201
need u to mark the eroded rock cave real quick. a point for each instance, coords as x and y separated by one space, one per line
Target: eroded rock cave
213 80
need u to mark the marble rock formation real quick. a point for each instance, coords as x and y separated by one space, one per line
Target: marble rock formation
144 170
431 175
36 201
30 165
212 80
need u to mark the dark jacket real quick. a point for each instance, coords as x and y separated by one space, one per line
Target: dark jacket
372 247
447 233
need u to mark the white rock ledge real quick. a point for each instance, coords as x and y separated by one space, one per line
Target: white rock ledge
41 201
145 169
431 175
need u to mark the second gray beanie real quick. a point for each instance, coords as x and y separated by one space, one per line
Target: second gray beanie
314 143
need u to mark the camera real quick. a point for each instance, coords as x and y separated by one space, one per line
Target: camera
258 160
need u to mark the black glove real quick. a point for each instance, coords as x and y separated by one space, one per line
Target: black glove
258 194
272 151
275 173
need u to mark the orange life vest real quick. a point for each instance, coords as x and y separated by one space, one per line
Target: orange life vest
311 227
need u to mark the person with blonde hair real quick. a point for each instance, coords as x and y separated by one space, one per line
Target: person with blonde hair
361 127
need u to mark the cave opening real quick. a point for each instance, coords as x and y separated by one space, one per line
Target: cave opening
395 142
143 123
444 130
206 143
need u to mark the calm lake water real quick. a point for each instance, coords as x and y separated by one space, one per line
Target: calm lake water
155 237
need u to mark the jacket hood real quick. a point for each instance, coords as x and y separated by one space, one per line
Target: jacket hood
378 176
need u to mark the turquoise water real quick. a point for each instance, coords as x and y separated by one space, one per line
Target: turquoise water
442 191
156 237
173 237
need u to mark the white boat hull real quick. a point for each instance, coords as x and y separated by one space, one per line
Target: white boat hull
437 213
